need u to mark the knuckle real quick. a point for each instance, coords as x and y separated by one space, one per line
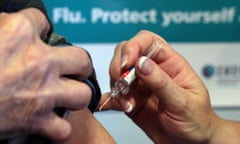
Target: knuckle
20 25
83 96
143 31
39 62
87 64
86 67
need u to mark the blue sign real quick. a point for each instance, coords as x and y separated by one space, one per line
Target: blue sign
114 20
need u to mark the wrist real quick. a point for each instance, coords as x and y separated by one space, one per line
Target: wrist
226 132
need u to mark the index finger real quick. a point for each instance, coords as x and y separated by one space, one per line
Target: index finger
73 60
140 44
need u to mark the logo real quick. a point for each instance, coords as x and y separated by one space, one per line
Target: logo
208 71
223 74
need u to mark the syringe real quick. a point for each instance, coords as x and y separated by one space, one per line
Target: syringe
122 85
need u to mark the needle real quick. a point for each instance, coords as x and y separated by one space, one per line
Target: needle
105 102
113 94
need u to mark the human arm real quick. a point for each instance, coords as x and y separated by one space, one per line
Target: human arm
170 102
87 129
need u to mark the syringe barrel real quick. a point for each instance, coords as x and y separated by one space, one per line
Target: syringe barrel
125 81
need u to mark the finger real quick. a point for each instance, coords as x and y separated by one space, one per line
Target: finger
139 45
53 127
168 59
169 93
115 65
67 93
73 94
73 60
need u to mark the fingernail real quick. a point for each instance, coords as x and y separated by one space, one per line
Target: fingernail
124 60
130 108
145 65
126 105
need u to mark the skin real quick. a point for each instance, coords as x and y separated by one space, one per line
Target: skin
87 129
32 77
170 102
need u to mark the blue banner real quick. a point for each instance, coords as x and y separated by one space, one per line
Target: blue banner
116 20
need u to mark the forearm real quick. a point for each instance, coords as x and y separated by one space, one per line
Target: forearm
228 132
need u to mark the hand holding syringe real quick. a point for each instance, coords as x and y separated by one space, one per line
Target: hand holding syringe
122 85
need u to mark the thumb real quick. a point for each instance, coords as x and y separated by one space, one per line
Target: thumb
169 93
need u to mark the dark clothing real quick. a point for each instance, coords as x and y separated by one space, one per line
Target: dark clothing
16 5
53 39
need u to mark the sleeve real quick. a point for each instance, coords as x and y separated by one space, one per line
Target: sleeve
16 5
